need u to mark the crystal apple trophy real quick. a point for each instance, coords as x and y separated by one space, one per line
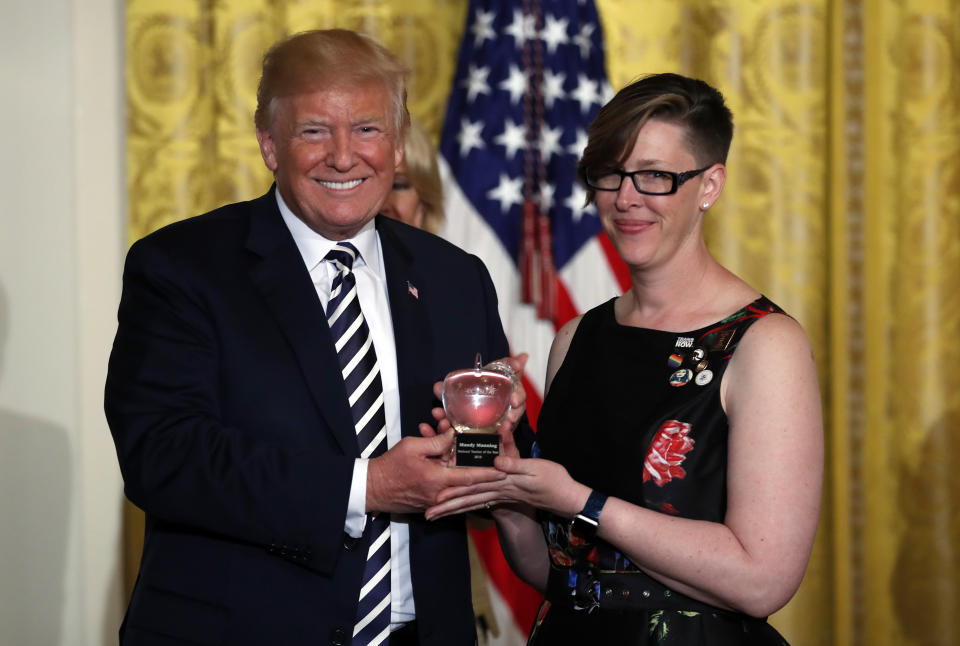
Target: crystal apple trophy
476 400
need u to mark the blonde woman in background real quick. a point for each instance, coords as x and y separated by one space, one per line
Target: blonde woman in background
417 195
417 200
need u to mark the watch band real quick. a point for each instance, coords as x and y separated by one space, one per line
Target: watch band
585 523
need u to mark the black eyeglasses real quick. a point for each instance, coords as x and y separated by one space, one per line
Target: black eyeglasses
648 182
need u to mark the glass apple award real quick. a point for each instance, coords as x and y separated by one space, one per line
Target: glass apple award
476 401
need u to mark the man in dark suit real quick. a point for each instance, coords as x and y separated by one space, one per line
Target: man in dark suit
266 424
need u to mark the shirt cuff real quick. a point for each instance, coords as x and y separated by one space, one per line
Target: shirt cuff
357 504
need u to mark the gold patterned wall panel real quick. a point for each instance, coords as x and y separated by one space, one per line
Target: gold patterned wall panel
912 538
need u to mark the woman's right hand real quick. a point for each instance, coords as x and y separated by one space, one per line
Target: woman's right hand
539 483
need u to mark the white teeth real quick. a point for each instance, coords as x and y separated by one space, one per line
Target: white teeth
341 186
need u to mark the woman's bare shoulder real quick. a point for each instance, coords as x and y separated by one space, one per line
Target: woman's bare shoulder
561 344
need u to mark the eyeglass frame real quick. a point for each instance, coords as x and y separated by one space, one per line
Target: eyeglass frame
678 179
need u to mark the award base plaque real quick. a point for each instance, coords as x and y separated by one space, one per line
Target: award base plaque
476 449
476 401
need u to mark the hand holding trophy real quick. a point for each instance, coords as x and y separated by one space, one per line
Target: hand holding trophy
476 401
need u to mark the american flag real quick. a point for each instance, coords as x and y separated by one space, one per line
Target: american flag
530 77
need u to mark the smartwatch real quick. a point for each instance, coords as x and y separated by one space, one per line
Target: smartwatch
585 523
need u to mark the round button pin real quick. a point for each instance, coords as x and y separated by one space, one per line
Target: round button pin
681 377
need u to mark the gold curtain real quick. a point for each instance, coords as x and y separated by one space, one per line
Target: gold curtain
843 205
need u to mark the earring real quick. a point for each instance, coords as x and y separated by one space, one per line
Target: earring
706 205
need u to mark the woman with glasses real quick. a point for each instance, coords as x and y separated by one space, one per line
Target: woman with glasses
674 485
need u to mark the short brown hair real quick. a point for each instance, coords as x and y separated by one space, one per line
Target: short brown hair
320 58
691 103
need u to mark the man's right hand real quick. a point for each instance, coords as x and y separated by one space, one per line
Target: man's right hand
409 477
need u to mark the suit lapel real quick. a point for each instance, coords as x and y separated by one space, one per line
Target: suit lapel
283 280
411 328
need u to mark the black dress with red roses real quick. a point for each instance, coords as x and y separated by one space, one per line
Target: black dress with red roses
635 413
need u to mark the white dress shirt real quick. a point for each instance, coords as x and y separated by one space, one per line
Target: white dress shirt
372 292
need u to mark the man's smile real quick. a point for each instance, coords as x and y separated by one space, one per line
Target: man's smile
340 186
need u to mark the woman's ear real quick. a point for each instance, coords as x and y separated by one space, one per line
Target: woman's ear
714 179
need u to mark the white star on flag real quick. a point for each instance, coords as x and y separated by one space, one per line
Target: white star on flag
513 138
550 142
583 40
515 84
522 28
547 191
509 192
553 87
579 144
554 33
575 203
482 28
586 93
469 137
477 82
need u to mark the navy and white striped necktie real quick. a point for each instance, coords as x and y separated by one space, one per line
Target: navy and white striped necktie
361 374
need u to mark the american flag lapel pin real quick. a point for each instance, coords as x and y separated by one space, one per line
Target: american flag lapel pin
413 290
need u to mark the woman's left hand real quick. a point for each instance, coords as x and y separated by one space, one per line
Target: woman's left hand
536 482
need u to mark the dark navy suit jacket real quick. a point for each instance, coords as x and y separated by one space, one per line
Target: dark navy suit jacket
234 436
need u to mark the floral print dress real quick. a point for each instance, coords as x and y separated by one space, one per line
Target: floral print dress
635 413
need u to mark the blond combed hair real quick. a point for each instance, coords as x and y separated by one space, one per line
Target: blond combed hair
324 58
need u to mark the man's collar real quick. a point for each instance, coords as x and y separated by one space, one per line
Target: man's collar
314 247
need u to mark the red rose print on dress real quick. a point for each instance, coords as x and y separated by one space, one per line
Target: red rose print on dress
667 452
